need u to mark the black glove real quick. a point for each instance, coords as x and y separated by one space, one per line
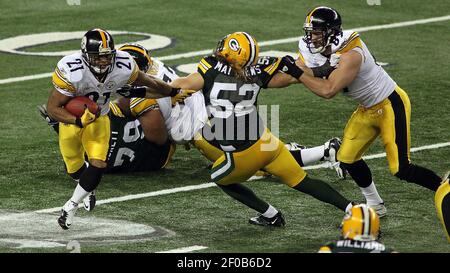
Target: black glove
288 66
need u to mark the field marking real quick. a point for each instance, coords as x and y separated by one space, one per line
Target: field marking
211 184
261 44
184 249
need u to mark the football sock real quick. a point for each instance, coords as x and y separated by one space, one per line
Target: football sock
76 175
323 192
91 177
245 196
360 172
420 176
78 194
312 155
371 195
270 212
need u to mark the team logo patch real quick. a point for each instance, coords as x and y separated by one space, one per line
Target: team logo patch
110 85
234 44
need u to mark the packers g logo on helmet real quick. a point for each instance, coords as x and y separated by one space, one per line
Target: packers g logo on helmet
239 49
362 224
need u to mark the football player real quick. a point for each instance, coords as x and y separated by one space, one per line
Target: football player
178 118
98 71
231 80
360 232
384 108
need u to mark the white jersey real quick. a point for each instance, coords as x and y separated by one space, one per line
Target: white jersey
72 77
183 121
371 85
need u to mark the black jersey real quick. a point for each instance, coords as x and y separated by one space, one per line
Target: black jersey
129 151
231 101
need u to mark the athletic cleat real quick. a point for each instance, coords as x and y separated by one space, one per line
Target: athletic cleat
276 221
90 201
380 209
44 114
330 155
67 214
293 146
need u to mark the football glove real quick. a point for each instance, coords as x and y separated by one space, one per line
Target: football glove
288 66
86 118
181 96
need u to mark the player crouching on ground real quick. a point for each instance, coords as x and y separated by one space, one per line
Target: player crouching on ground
360 232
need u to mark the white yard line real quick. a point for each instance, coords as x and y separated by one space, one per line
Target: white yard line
184 249
209 185
261 44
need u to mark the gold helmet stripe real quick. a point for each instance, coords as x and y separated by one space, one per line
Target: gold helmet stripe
308 18
252 48
104 40
135 48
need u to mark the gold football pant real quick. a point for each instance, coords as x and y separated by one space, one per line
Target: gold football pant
268 153
391 120
442 202
93 140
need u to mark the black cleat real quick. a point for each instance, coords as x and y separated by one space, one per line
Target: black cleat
44 114
276 221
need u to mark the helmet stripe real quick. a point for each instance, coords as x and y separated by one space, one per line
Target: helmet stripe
137 49
308 18
366 220
252 49
104 41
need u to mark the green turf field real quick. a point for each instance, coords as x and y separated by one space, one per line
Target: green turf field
32 175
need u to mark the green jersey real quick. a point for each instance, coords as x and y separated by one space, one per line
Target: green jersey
231 101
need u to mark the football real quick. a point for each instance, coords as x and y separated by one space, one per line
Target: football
77 105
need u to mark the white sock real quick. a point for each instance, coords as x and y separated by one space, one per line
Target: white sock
371 195
312 155
270 212
78 194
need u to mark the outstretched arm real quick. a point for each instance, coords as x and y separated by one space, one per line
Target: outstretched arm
340 78
193 81
155 87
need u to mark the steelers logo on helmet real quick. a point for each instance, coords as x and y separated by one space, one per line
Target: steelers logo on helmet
97 48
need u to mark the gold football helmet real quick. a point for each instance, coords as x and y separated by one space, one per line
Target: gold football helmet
239 49
362 224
